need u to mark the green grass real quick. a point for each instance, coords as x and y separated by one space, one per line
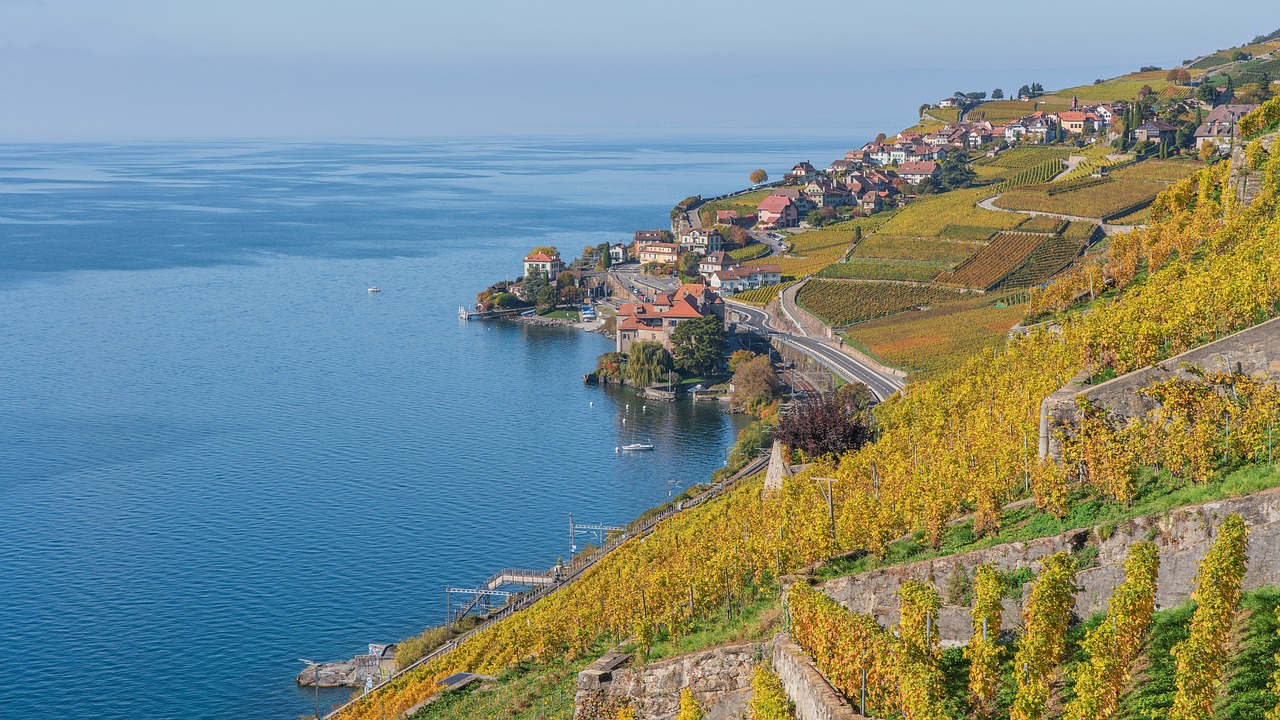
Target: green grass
562 314
1246 695
1157 494
755 617
885 269
527 692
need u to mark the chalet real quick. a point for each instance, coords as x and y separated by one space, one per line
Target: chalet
619 253
657 252
548 264
801 172
715 262
918 171
648 236
654 321
778 211
1155 131
1219 127
701 240
746 277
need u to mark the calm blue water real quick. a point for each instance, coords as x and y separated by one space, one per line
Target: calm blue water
219 454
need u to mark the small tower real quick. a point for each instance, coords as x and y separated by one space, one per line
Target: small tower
1075 103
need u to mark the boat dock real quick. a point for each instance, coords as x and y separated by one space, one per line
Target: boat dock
465 314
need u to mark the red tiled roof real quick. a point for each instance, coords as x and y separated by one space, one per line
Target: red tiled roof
918 167
541 257
775 203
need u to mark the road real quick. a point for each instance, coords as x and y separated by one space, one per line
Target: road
989 204
838 361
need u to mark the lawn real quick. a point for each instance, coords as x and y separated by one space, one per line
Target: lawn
562 314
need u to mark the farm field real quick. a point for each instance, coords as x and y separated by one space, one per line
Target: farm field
1007 251
1034 175
939 339
1052 256
885 269
929 216
840 303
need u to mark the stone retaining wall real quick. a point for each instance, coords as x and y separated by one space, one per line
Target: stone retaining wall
1255 351
720 679
1182 536
814 697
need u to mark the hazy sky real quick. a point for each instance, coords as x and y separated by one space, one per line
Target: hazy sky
137 69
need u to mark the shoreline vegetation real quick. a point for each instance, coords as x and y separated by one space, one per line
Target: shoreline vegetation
1107 311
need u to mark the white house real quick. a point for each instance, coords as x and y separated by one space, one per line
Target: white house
552 266
618 253
701 240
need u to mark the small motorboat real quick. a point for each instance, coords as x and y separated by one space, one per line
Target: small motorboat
637 446
375 289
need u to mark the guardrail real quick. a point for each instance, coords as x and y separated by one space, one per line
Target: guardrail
583 563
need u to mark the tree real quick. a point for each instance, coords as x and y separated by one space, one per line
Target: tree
737 236
738 357
647 363
547 249
754 384
1024 91
689 707
547 297
1178 76
697 345
1240 56
504 300
606 259
533 284
997 94
880 137
1207 151
687 264
923 107
825 425
954 172
1206 93
1037 89
758 176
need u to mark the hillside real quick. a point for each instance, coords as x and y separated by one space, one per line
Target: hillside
961 444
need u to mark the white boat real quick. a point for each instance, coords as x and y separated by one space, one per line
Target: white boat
638 446
375 289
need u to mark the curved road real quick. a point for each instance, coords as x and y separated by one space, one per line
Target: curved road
839 362
989 204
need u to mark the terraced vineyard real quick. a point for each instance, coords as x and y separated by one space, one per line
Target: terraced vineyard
991 264
840 303
1052 256
885 269
1080 231
1024 157
929 216
1094 201
926 249
1043 223
1034 175
763 295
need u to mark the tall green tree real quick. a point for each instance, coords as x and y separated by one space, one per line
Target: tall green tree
698 345
647 363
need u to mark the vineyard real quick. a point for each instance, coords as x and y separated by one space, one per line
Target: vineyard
763 295
1045 261
1043 224
896 247
844 303
1002 111
1094 201
1223 57
813 250
1042 173
963 443
1021 158
991 264
929 216
754 251
884 269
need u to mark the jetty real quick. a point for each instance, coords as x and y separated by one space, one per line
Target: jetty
465 314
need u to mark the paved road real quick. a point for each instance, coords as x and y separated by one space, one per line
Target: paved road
839 362
989 204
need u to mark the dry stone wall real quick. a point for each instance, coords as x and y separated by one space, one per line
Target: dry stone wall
1182 536
1255 352
813 696
720 679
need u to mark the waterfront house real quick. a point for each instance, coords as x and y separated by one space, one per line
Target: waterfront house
548 264
655 320
658 253
701 240
778 211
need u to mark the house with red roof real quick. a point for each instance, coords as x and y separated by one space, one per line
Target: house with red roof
778 211
548 264
918 171
655 321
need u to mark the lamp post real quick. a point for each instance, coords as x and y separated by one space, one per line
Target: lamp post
315 680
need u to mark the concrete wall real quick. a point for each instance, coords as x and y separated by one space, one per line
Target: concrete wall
1255 351
1182 536
720 679
814 697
